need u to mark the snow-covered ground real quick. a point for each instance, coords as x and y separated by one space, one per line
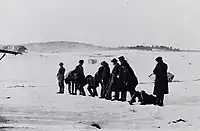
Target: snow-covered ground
28 99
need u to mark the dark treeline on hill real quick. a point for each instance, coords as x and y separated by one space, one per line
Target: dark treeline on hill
150 48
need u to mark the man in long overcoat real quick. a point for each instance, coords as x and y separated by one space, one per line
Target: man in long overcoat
129 78
80 80
114 81
161 81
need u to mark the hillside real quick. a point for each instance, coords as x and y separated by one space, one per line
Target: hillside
61 46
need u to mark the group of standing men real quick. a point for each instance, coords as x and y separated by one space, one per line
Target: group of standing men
121 80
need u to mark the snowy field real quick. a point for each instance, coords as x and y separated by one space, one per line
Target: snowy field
28 99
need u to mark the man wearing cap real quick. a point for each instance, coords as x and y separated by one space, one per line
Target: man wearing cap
130 80
99 75
60 77
114 80
105 78
79 71
161 81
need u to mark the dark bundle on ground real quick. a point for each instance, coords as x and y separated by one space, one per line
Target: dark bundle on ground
96 125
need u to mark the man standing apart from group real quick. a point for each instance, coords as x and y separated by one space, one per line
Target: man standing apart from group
60 77
161 81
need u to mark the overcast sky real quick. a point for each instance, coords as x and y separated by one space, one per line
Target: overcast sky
102 22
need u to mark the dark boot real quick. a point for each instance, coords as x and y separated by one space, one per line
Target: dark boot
160 99
130 103
104 85
90 91
108 95
103 89
69 88
116 97
62 86
73 87
123 95
102 92
108 92
76 89
132 92
95 91
137 94
82 91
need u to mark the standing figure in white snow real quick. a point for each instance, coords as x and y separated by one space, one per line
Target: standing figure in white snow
102 77
105 78
70 81
80 77
129 78
114 83
98 76
161 81
60 77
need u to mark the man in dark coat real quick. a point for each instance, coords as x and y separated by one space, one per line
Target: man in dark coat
129 78
98 76
161 81
102 77
91 85
60 77
70 81
80 77
114 81
105 77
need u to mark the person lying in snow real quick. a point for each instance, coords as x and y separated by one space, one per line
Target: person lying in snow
143 98
91 85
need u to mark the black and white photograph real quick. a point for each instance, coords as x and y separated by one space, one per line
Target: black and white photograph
99 65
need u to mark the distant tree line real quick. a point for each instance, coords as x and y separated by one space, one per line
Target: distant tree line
150 48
